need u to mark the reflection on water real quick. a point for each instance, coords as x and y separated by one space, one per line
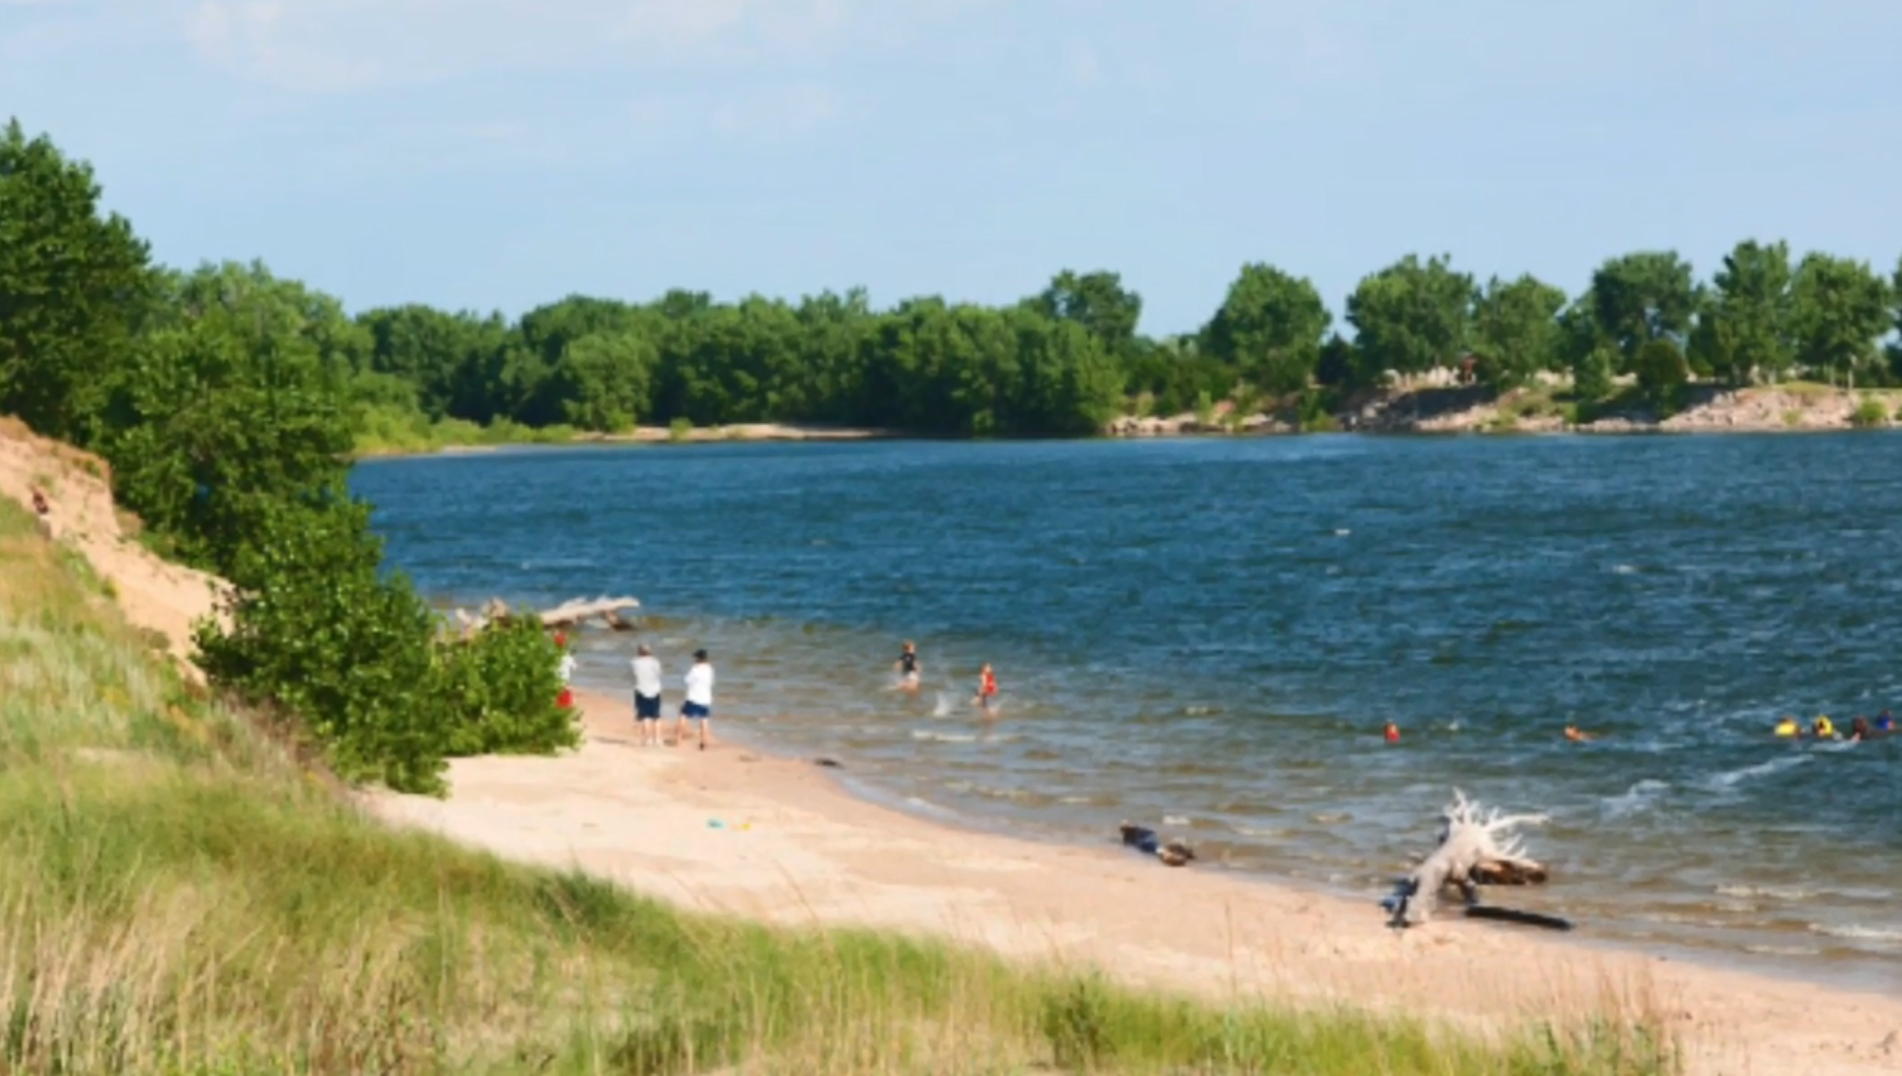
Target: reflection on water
1206 637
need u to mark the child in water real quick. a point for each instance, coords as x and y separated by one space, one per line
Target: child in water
986 688
1392 732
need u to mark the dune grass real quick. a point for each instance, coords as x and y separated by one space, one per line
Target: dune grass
182 897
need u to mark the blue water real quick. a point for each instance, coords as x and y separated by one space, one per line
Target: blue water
1206 635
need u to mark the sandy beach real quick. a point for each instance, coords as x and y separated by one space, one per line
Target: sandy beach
735 830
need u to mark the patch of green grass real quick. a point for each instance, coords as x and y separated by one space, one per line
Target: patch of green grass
1871 413
183 896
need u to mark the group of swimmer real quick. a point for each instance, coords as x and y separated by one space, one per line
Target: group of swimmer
911 675
1789 728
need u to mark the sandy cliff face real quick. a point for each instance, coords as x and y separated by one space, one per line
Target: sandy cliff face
156 595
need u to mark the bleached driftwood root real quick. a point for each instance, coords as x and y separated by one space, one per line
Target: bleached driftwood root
1474 849
567 614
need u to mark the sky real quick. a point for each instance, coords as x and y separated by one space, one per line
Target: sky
500 154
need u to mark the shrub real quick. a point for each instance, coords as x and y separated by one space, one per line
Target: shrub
679 429
1870 413
500 688
315 631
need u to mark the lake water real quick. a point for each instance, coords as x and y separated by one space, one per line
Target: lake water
1205 636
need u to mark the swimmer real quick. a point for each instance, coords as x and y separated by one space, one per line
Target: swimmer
986 689
1573 734
908 668
1823 728
1885 722
1859 730
1392 733
1788 729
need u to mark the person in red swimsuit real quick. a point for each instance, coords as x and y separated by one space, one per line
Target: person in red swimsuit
986 688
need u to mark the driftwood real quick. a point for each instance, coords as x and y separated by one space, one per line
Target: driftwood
1474 849
1173 853
567 614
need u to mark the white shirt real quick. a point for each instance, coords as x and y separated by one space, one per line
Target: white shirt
700 684
647 676
566 668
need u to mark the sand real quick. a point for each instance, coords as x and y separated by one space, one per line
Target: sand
738 831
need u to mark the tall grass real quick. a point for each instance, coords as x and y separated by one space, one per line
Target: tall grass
181 897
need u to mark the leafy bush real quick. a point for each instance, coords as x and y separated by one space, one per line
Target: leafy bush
315 631
1662 372
1869 414
679 429
500 688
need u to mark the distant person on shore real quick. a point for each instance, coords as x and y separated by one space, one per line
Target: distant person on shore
986 689
1391 732
1788 728
908 669
566 670
647 695
1823 728
698 707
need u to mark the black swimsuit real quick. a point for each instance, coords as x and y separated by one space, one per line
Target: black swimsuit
908 663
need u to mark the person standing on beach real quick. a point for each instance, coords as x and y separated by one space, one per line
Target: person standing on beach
908 669
986 689
647 695
566 670
698 706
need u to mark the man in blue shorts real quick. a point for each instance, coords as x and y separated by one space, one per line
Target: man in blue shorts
647 695
698 707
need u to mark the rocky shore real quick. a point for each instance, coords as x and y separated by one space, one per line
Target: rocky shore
1439 408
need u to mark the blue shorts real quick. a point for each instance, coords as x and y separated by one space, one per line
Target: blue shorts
693 711
646 707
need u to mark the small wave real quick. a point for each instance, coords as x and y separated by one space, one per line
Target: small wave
1174 820
1342 532
1623 569
1636 798
1732 778
1765 892
1330 818
1782 950
942 706
1885 936
944 737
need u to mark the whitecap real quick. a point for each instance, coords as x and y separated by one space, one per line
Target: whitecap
1636 798
1771 892
1174 820
1884 936
1731 778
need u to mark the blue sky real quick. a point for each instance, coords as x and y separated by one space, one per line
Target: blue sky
496 154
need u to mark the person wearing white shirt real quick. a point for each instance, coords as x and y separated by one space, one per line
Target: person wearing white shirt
698 706
647 695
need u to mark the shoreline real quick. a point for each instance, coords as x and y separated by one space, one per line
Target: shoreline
1429 411
741 831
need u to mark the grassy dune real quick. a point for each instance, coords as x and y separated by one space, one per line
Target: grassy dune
181 896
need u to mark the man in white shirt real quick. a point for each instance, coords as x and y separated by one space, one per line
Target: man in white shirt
647 695
698 707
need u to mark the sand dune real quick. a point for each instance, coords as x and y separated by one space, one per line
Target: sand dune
734 830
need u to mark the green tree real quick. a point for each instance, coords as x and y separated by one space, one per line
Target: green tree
1070 384
449 358
236 401
604 379
1587 352
1411 317
1648 295
1662 373
1098 302
1269 326
1839 308
74 289
1516 330
1743 329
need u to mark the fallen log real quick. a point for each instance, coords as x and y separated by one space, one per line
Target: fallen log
1474 849
567 614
